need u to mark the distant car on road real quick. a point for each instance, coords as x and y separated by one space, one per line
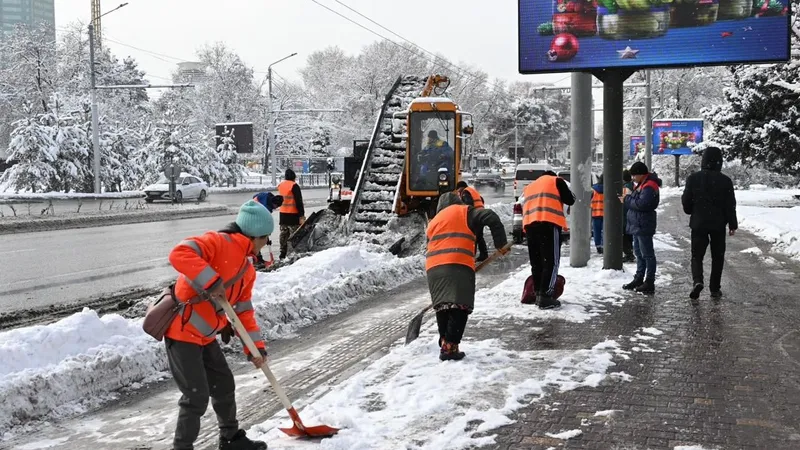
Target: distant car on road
187 186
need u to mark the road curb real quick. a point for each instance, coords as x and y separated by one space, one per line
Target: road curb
62 223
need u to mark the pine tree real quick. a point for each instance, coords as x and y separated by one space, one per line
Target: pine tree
760 121
36 152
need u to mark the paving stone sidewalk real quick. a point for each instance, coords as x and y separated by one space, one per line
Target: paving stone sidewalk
726 373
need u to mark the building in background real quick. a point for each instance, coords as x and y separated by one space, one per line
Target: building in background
28 12
190 72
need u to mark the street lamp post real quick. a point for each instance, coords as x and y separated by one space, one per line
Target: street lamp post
95 118
272 158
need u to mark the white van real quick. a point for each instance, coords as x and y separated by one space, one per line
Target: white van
527 174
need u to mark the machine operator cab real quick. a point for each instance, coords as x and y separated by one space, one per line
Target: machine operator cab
435 132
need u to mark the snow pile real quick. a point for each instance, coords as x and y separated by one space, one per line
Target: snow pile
767 197
410 397
586 293
773 215
73 364
325 284
71 195
569 434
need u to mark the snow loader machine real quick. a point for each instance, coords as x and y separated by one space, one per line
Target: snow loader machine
414 154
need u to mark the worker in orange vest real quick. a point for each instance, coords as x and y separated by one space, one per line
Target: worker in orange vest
214 266
471 197
450 266
293 214
597 214
543 219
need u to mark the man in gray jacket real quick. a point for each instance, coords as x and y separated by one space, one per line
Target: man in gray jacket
450 266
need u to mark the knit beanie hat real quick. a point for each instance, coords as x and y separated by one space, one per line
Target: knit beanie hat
639 168
289 175
254 220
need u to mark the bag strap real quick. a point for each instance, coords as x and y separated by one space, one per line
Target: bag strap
203 294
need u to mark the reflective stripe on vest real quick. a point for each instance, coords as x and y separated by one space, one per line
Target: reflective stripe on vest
203 327
476 197
542 203
288 206
450 241
597 204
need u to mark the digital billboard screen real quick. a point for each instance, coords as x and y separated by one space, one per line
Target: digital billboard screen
585 35
676 136
637 145
242 135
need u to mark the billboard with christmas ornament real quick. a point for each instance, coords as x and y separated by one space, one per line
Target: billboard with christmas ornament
637 145
676 136
585 35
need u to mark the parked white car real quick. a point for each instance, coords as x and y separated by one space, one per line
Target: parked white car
187 187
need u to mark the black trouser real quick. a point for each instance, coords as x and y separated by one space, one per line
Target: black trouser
451 324
700 241
200 372
627 245
544 251
480 245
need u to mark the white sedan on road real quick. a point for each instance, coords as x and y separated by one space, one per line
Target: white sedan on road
187 186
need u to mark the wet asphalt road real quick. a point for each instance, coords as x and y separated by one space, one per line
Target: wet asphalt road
41 269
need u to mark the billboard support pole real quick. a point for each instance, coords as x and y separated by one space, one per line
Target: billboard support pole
648 123
581 168
613 115
677 170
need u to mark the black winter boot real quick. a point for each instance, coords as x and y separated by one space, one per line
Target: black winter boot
695 294
633 284
716 294
600 250
547 302
450 352
648 287
240 441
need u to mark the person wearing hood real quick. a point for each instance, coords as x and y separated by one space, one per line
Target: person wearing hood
597 214
293 213
641 223
214 267
627 239
450 266
543 220
709 198
471 197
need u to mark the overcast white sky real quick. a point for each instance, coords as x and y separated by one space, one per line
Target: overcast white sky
479 32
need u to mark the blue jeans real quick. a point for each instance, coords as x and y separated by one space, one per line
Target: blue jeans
645 257
597 231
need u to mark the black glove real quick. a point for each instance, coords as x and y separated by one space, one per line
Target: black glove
263 352
226 333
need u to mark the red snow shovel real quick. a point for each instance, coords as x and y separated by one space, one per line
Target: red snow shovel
415 325
298 429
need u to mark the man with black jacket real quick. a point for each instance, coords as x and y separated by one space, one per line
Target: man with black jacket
709 198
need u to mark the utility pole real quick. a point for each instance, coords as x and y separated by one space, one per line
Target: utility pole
648 122
581 168
272 119
95 119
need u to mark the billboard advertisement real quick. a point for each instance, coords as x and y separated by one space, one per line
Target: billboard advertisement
242 135
585 35
676 136
637 145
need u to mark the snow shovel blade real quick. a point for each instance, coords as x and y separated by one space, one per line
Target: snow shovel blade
301 431
415 325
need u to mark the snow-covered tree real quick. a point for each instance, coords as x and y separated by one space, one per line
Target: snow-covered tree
760 121
35 151
228 155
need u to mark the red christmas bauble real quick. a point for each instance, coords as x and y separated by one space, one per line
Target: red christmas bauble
563 48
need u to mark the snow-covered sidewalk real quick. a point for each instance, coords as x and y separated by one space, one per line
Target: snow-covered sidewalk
82 361
409 399
773 215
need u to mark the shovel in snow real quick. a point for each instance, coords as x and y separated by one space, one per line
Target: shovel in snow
297 429
416 323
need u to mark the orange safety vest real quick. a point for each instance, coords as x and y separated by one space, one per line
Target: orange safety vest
288 206
476 197
542 203
203 261
450 241
597 204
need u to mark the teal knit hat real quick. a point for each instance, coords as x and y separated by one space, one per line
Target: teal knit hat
254 220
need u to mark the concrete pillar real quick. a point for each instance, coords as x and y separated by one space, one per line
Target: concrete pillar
581 169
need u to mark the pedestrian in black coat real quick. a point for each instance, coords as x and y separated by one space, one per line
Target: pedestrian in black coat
709 198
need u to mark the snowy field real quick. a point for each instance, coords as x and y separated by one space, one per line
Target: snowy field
82 361
409 399
773 215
